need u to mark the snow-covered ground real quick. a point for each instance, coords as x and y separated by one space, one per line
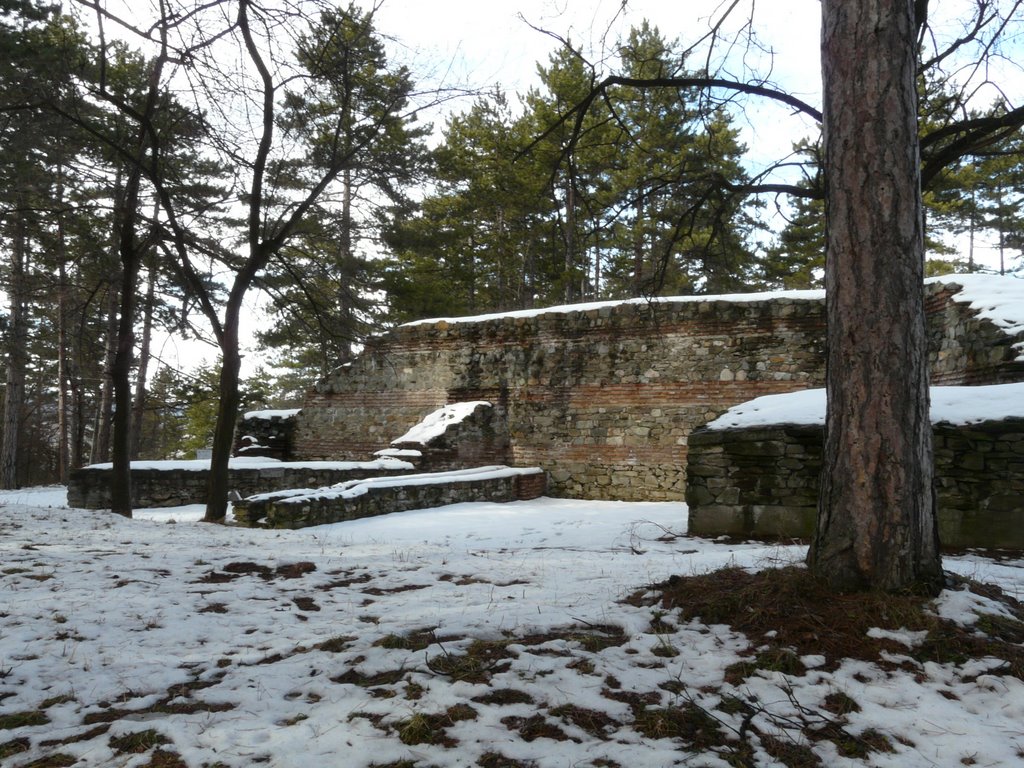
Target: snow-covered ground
341 646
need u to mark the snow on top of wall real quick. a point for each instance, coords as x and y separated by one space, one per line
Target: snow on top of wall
271 414
350 489
564 309
953 405
998 298
435 424
259 462
399 453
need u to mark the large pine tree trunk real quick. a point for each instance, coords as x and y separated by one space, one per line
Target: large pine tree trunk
876 520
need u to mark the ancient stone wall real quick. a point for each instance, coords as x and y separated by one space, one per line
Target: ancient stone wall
763 482
266 433
963 349
604 397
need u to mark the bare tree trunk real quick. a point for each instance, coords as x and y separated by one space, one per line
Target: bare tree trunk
105 409
876 520
63 404
141 374
570 239
63 410
17 357
638 251
120 376
101 431
227 415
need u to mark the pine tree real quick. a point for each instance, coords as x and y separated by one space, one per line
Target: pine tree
483 240
357 108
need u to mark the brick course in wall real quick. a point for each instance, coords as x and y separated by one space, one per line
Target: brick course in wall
604 399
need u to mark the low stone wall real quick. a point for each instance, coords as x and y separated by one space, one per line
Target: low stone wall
176 485
763 482
283 511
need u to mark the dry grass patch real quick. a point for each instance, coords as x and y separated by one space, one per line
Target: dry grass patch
598 724
686 722
535 727
138 742
794 614
13 747
418 640
504 697
432 729
23 719
59 760
336 644
481 659
498 760
387 677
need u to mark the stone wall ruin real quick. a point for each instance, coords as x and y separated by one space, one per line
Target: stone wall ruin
604 396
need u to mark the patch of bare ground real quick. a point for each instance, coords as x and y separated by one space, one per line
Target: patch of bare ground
788 613
178 700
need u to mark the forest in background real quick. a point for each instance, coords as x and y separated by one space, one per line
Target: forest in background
127 195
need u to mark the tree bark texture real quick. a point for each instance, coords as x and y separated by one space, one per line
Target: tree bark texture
876 520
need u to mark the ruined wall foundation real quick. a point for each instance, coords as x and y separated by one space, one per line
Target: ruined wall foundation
604 397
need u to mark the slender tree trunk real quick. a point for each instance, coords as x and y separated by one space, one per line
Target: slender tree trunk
1002 230
570 239
876 520
120 376
105 408
638 251
63 289
76 422
227 414
77 391
101 431
141 374
17 356
346 214
63 401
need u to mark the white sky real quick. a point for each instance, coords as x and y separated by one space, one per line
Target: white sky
480 44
